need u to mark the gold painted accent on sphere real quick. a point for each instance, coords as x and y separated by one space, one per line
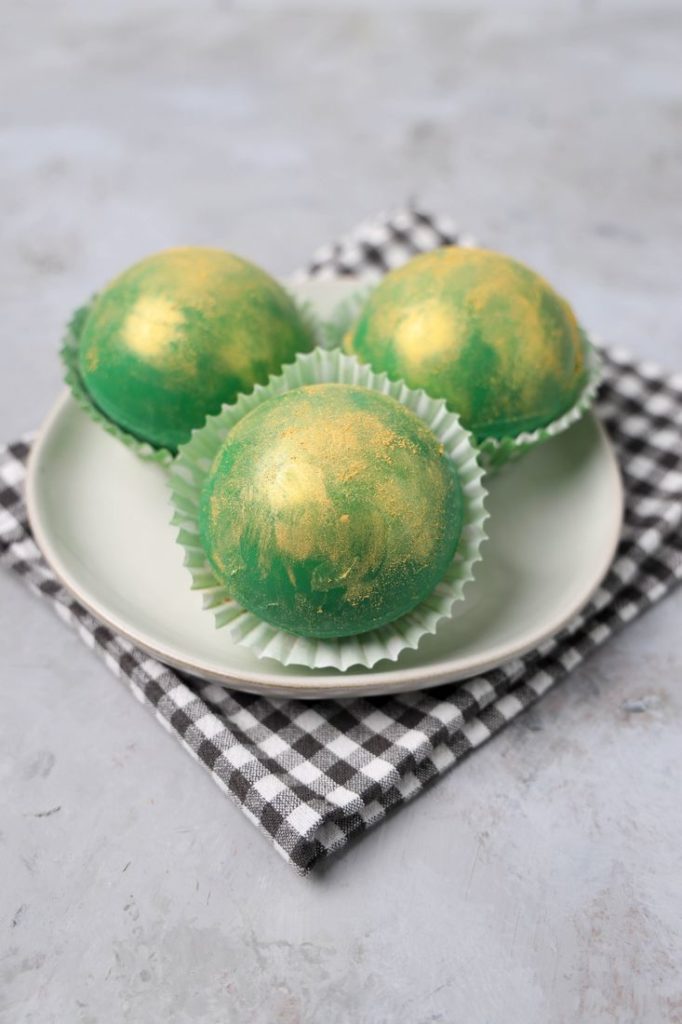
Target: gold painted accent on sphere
429 333
149 327
194 275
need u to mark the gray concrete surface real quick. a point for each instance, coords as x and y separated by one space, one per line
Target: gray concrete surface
539 882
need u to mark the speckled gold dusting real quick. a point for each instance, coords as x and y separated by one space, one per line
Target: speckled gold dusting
196 276
428 332
149 329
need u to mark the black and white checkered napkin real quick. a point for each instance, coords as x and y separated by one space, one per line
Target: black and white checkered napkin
311 774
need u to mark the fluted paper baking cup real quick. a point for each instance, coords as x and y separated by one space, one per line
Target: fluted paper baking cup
143 449
334 328
194 460
495 452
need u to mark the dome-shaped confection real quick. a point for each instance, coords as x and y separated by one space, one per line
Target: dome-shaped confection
179 334
479 330
330 510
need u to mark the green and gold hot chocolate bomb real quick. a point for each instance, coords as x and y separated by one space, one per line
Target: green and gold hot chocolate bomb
330 511
179 334
480 330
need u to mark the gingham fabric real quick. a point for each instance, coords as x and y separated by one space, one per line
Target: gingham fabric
312 774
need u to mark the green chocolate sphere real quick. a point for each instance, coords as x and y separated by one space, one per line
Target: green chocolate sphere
480 330
330 511
179 334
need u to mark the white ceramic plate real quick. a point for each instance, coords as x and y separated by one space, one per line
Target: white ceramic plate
101 518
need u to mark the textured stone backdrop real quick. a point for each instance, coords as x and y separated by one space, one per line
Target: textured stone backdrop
543 875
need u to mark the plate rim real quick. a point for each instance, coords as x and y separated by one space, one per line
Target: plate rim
312 685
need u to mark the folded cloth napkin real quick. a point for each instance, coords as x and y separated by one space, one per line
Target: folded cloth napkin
311 774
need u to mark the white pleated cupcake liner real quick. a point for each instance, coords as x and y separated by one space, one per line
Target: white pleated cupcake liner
495 452
143 449
335 327
194 460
